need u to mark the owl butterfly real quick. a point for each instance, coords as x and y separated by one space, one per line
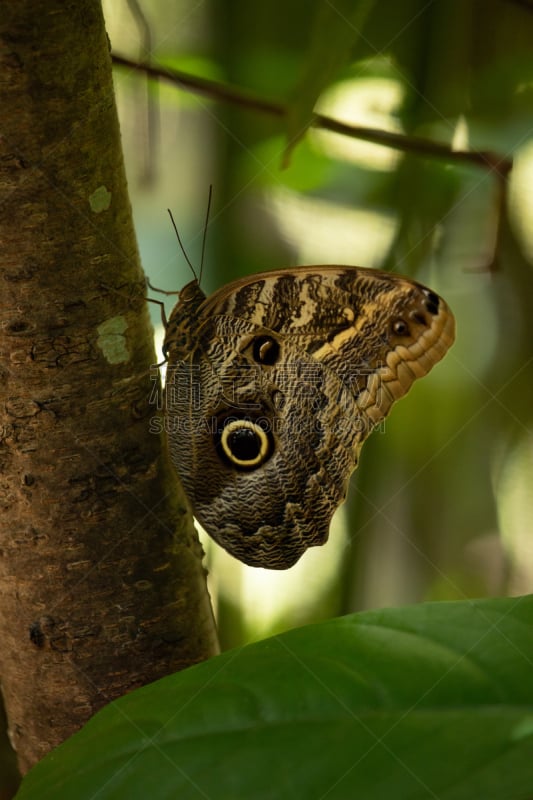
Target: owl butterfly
273 384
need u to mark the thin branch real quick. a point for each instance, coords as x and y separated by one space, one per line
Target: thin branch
204 86
416 144
487 159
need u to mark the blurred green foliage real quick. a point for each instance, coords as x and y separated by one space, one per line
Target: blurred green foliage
429 514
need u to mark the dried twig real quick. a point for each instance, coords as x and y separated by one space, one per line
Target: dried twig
487 159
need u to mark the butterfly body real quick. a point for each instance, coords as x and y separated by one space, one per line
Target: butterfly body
273 384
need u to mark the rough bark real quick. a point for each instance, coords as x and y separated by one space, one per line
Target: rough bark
101 583
9 774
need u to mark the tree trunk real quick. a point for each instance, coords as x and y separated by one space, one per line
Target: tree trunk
101 583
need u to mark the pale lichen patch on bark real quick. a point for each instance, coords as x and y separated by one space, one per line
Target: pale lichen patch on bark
100 200
111 340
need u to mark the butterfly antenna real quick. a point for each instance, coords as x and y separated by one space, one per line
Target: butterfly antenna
205 229
187 259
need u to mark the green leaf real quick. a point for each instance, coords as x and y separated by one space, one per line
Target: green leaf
433 701
308 170
336 30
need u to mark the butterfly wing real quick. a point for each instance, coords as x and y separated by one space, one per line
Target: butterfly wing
274 382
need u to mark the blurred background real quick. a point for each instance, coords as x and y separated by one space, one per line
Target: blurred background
442 502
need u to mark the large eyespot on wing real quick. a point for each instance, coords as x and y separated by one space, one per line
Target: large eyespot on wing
244 443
